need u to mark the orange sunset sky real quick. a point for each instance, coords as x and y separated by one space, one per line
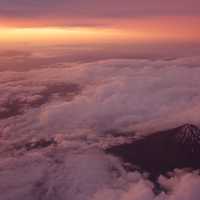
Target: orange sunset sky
58 22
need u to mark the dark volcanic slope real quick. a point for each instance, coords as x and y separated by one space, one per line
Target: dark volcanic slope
163 151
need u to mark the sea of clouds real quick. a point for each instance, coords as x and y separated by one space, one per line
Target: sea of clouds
81 107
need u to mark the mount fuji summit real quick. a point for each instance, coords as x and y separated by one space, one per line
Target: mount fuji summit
163 151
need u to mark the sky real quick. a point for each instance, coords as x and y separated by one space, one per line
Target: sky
81 22
84 75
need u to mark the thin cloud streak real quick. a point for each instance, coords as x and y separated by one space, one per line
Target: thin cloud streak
89 8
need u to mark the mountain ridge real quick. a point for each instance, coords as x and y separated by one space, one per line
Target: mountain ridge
163 151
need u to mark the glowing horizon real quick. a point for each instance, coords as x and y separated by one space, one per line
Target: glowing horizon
78 22
81 35
162 29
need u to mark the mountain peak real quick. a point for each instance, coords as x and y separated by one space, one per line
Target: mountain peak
189 127
163 151
188 134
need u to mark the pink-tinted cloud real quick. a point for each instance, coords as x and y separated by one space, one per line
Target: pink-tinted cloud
79 12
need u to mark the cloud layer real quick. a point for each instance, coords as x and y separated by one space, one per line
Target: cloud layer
82 107
88 175
131 93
